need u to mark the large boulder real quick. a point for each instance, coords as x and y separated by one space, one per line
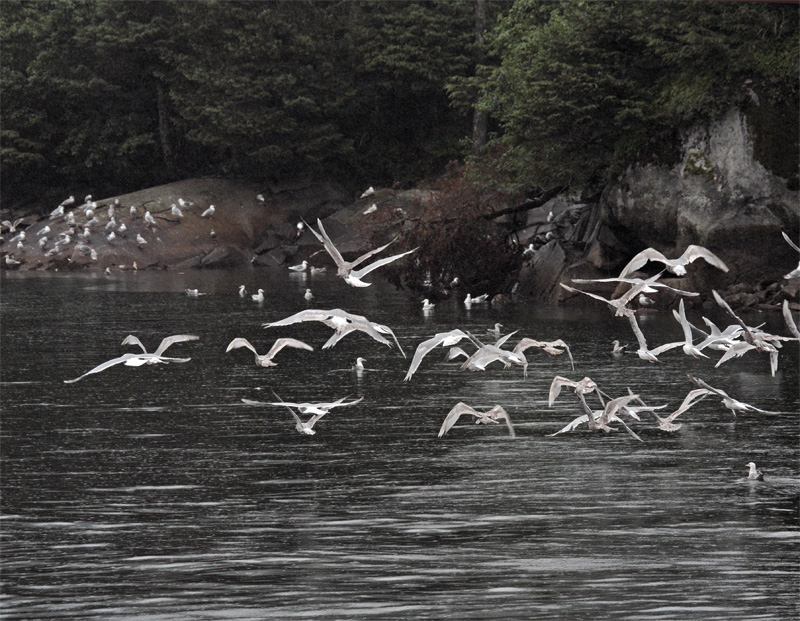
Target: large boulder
719 196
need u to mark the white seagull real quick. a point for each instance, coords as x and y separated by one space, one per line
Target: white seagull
266 359
599 420
620 304
258 297
370 191
208 212
346 269
676 266
688 348
729 402
242 291
553 348
148 217
194 293
650 355
445 339
342 322
176 211
754 474
495 415
300 267
136 360
308 295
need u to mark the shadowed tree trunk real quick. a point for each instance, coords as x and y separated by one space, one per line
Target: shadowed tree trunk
479 118
163 130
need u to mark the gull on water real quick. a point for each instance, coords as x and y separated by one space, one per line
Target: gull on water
358 365
753 473
136 360
308 295
266 359
676 266
495 415
242 291
346 269
496 331
617 349
301 267
427 305
194 293
479 299
445 339
729 402
342 323
258 297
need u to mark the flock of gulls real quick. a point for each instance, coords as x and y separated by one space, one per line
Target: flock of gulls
611 413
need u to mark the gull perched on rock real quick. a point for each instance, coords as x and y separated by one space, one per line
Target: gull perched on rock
495 415
729 402
136 360
208 212
676 266
266 359
342 323
445 339
370 191
346 269
176 211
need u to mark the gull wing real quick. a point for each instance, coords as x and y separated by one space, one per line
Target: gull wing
379 263
637 331
240 342
691 398
322 236
454 414
387 330
613 406
287 342
693 252
703 384
124 358
310 314
132 340
571 425
641 259
366 327
555 388
176 338
497 413
789 241
787 317
425 347
502 340
291 411
592 295
737 349
748 336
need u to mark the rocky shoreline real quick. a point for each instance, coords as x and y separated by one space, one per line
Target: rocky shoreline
716 195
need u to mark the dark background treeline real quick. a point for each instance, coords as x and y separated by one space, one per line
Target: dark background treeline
113 96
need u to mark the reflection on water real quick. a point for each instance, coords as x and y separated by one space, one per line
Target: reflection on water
155 492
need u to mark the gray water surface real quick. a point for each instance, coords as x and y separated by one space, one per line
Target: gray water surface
154 492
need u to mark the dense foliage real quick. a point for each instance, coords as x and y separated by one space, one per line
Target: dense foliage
581 88
113 95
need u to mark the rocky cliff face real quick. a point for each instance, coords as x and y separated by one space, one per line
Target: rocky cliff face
718 196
